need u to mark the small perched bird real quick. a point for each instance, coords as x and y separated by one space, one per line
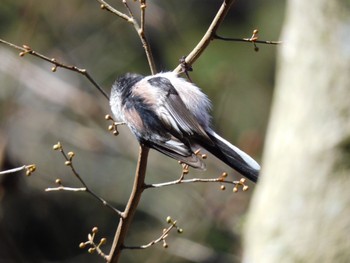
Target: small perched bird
171 115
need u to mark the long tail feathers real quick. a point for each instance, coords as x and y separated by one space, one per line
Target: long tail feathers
234 157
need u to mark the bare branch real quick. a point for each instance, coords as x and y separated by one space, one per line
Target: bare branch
94 247
249 40
208 36
69 162
143 13
27 50
29 169
140 30
161 238
153 242
220 180
109 8
64 188
253 39
128 214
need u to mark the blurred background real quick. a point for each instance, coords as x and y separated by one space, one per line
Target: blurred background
39 108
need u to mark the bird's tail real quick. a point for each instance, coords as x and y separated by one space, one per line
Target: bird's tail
234 157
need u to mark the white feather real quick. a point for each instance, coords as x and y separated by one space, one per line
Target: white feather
249 160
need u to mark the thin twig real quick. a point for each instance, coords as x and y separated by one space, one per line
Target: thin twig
128 214
140 30
69 162
14 170
30 168
93 246
27 50
64 188
131 15
248 40
108 7
143 14
208 36
153 242
192 180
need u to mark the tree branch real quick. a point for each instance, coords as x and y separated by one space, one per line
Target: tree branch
29 169
208 36
140 30
69 162
27 50
128 214
161 238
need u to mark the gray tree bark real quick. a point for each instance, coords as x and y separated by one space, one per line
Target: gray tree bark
300 211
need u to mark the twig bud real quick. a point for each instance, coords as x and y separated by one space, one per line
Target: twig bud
58 181
242 180
26 47
68 163
224 174
82 245
245 188
71 154
222 187
103 241
94 230
30 169
91 250
235 189
169 220
57 146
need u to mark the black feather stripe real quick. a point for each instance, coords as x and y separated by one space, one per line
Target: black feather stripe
231 158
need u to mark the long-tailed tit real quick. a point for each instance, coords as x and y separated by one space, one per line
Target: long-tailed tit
169 114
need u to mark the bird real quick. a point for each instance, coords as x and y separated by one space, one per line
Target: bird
171 115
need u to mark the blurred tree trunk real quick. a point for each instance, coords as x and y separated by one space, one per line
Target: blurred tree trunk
301 208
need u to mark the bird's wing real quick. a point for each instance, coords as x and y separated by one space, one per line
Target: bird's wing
179 151
172 111
148 129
